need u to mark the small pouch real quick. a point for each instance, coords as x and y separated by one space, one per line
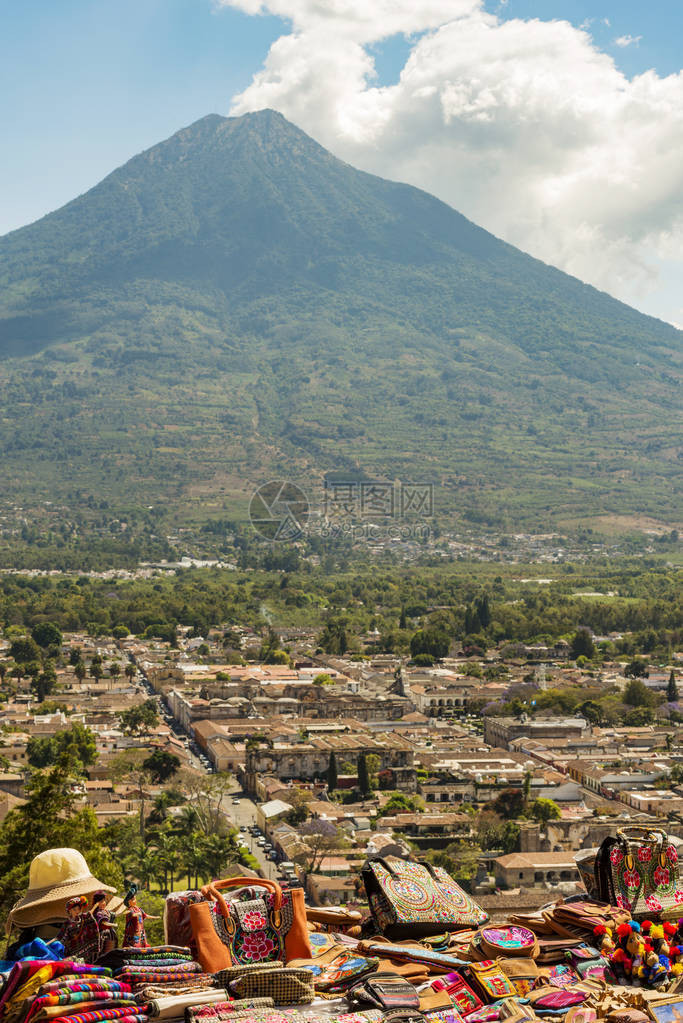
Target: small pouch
443 1015
560 975
523 974
383 991
463 997
554 999
590 964
489 981
285 986
627 1016
510 941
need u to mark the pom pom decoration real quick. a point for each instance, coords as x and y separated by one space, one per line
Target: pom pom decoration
599 930
623 930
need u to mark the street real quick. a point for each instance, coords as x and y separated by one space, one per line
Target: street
245 814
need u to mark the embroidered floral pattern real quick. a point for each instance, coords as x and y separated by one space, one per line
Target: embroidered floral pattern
644 854
257 947
661 876
653 903
678 896
623 903
672 854
254 921
631 878
616 856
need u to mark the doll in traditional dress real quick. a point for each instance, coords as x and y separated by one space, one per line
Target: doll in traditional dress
71 932
134 934
105 922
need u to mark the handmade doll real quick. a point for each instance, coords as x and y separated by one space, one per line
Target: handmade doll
80 934
134 934
106 925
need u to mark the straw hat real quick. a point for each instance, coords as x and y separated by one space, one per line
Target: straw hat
55 876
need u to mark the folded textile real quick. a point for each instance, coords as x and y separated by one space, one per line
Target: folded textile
257 1015
152 977
27 976
175 1005
189 966
129 1017
225 1010
100 984
135 950
96 1015
162 990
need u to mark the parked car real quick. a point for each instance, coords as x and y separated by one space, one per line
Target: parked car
272 855
236 801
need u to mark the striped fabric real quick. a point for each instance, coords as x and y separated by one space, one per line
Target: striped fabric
152 977
189 966
98 984
123 1012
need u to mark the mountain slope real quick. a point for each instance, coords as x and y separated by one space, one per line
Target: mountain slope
237 303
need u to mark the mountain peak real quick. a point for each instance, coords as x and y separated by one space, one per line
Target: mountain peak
252 305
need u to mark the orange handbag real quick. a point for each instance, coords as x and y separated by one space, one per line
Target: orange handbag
255 926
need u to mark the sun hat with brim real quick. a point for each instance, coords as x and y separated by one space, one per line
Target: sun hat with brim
55 876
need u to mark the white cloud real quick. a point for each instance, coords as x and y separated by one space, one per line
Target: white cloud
525 126
625 41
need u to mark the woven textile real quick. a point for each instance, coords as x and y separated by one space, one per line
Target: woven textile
154 977
285 987
188 966
61 986
256 1015
26 977
96 1015
225 1010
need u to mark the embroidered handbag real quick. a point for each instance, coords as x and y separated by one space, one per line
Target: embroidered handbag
414 900
638 871
489 980
523 973
590 964
465 1000
508 941
254 926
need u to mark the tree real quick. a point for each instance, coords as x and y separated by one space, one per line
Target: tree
363 776
96 670
582 644
591 711
129 670
545 810
672 689
432 641
639 717
140 718
24 650
526 787
47 634
332 772
114 669
509 804
398 802
321 837
373 763
322 679
78 742
50 819
44 684
161 765
80 670
636 669
636 694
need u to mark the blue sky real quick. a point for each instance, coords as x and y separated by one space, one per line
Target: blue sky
85 84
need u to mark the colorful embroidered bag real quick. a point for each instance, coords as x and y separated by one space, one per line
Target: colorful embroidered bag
638 872
508 941
254 926
489 981
414 899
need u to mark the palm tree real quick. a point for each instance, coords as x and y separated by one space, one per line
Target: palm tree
129 670
195 859
188 822
218 851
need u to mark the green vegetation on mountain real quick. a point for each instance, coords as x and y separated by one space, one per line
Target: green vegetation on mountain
236 304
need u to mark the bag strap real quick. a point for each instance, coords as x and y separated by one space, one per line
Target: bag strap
636 831
212 891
